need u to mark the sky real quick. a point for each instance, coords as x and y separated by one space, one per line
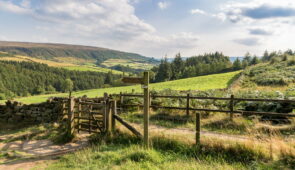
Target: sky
154 28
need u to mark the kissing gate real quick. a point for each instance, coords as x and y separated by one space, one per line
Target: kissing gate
98 115
91 115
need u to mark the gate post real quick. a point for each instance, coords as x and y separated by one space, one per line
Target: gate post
108 115
198 128
114 112
146 108
187 104
79 114
71 120
231 105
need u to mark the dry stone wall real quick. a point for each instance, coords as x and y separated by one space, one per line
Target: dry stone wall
16 112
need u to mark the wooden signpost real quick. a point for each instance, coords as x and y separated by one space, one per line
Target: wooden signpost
145 85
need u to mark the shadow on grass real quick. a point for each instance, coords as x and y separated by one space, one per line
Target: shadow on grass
227 125
161 119
235 153
177 119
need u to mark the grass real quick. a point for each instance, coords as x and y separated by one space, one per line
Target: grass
68 63
214 81
131 63
215 122
92 68
123 151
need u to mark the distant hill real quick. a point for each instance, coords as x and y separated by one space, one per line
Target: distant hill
232 59
57 52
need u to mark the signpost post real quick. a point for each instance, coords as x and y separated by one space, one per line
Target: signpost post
145 85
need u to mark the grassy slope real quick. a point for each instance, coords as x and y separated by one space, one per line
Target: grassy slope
91 68
215 81
63 62
131 63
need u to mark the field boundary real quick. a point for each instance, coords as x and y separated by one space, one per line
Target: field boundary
232 100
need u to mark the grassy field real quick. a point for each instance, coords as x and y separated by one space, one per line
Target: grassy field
215 81
63 62
92 68
131 63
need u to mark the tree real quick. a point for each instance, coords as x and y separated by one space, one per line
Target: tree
254 61
68 86
177 67
248 57
245 63
40 90
109 78
265 56
164 71
237 65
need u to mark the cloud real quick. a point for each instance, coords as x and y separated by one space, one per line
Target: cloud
10 7
91 17
248 41
163 5
267 11
259 31
258 10
197 11
107 23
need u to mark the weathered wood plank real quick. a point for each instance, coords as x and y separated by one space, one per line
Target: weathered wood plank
131 128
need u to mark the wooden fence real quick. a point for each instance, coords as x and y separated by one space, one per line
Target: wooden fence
232 100
99 115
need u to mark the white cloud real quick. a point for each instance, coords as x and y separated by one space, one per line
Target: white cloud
10 7
163 5
107 23
197 11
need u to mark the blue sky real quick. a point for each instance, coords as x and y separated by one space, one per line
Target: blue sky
154 27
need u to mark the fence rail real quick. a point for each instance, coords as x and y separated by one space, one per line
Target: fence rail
231 99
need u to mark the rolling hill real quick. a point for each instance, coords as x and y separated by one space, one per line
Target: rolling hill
214 81
74 55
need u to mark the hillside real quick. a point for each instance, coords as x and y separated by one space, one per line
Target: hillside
76 54
215 81
30 78
277 73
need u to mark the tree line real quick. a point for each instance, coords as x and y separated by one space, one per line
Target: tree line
28 78
208 63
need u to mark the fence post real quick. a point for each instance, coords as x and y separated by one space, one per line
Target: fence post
231 107
62 116
106 112
79 114
90 118
187 104
198 128
146 108
114 112
71 115
121 102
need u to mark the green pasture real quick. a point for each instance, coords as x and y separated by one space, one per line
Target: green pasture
214 81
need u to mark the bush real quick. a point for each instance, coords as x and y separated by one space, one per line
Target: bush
2 96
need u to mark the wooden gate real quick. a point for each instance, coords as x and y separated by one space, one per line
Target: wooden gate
90 115
85 114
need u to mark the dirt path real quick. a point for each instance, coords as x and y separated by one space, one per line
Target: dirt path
36 153
191 132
